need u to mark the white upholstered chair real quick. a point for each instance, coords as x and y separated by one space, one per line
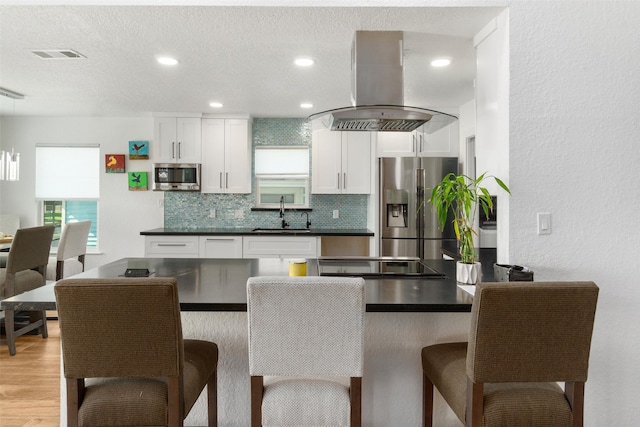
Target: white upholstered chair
71 251
306 341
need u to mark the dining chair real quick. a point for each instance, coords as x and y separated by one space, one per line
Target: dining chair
523 340
125 360
72 248
306 341
25 271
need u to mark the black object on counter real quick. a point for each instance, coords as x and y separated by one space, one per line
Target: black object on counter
137 272
512 273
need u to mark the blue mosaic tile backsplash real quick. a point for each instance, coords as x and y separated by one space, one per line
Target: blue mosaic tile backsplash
191 209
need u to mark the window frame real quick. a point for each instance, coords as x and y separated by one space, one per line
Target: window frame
286 173
62 192
63 221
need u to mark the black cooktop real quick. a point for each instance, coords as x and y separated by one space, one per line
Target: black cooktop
376 267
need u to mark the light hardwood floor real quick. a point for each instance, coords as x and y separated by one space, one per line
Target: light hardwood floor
30 381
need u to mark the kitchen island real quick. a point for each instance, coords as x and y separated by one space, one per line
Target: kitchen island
403 315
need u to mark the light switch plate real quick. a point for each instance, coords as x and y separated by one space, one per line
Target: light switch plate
544 223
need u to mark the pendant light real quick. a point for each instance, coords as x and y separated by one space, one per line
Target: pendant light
10 162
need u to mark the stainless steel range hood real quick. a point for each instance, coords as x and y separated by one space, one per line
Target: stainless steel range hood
377 90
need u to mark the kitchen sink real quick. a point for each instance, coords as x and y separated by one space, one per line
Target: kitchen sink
281 230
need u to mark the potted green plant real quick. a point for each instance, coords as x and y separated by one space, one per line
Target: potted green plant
461 196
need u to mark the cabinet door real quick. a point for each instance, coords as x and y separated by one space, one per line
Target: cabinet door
177 140
442 143
220 246
213 155
326 162
397 144
356 162
188 140
164 140
237 156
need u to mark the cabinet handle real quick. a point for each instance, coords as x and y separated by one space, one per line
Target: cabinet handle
338 179
413 143
221 180
220 240
179 150
226 180
173 150
421 144
172 244
344 180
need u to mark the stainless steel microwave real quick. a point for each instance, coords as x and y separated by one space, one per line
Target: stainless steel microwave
176 176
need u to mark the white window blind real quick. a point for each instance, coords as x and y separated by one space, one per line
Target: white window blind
67 172
282 161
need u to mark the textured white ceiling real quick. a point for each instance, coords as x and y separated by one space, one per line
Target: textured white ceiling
240 56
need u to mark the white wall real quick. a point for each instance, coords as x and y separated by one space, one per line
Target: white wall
573 152
492 118
122 213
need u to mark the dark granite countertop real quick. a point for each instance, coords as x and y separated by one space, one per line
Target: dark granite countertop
220 285
250 232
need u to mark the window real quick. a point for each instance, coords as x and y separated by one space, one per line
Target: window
68 187
282 172
60 212
294 191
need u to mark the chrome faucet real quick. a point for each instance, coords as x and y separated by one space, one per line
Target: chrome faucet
307 214
284 223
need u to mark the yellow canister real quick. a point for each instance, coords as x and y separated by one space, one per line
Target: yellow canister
298 267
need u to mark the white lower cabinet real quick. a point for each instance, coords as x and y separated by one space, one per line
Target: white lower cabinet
280 246
220 246
171 247
232 246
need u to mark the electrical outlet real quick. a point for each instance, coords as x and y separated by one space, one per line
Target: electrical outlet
239 213
336 214
212 213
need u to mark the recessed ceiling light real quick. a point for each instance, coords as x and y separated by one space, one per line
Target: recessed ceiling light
440 62
306 105
165 60
304 62
215 104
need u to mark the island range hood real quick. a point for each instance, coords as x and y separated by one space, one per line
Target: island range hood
377 90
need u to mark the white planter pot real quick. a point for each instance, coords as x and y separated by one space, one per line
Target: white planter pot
468 273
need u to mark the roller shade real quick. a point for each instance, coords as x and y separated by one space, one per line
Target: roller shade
67 172
282 161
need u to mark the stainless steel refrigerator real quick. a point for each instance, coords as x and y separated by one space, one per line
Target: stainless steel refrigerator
408 224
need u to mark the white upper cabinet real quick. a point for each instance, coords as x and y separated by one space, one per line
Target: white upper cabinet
397 144
177 140
442 143
226 155
341 162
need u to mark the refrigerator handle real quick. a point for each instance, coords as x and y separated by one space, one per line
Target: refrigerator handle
420 210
